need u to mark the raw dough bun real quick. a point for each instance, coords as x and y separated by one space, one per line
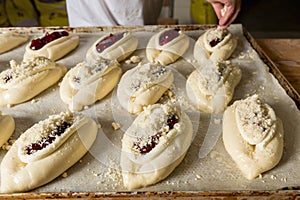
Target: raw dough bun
211 87
253 136
11 40
26 80
86 83
22 172
118 50
55 49
168 52
224 46
7 124
169 145
143 85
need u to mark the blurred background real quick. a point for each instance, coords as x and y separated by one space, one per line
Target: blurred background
262 18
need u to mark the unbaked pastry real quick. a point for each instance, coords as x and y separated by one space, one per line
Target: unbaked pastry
11 40
218 43
154 145
143 85
24 81
211 87
116 46
7 124
53 45
253 136
46 150
86 83
167 46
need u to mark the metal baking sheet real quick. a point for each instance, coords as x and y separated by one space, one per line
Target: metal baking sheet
98 171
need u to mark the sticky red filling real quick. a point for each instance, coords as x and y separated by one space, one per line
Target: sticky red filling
108 41
215 42
168 36
45 141
154 139
38 43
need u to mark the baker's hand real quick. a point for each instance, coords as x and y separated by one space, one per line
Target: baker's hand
226 10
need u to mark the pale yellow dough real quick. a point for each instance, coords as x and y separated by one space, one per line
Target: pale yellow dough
169 52
87 83
117 51
21 176
141 170
256 145
211 88
7 124
11 40
53 50
26 80
222 51
143 85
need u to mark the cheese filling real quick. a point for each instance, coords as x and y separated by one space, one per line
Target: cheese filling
19 72
256 120
85 73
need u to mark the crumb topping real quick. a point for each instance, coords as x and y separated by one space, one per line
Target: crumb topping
256 119
19 72
84 72
215 36
148 75
49 131
161 120
212 78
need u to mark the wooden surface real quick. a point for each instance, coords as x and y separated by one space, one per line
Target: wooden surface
286 55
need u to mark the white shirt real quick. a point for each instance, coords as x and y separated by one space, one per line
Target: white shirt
112 12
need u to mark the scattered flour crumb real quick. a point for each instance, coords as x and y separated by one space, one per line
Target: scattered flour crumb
33 101
65 175
115 125
217 121
135 59
273 177
128 61
7 145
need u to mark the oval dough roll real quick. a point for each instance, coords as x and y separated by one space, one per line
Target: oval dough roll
87 83
7 124
154 145
218 43
27 165
11 40
211 87
167 46
143 85
116 46
53 50
253 136
26 80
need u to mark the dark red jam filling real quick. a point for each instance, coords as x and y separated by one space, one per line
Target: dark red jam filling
7 78
38 43
45 141
215 42
154 139
108 41
168 36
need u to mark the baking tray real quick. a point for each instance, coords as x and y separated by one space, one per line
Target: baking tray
195 31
